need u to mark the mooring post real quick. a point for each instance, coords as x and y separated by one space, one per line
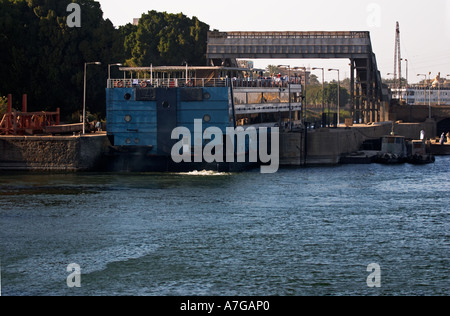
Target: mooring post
24 103
8 114
58 114
9 103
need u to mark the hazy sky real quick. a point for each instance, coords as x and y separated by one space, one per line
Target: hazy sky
424 25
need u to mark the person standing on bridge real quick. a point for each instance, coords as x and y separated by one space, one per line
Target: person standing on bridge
442 139
448 137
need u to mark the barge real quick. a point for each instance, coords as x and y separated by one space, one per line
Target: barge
149 106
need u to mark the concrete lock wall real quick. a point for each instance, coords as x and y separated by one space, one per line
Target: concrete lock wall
327 146
67 153
419 113
46 153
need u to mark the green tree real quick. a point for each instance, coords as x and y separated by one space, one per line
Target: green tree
128 37
314 81
162 38
17 29
43 57
272 70
314 95
331 95
390 81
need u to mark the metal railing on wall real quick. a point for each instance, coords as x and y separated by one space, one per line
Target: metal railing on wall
202 82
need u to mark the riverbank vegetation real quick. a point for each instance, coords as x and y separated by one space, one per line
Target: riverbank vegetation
42 56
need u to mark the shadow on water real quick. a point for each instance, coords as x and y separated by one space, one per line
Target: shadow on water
22 183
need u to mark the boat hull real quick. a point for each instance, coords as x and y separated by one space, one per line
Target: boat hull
420 160
390 159
139 160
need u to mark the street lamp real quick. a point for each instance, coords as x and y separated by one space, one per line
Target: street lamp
289 82
109 69
187 71
406 60
429 91
338 95
323 95
425 86
429 94
84 94
425 93
306 84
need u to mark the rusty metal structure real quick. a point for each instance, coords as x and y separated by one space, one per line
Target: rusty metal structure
368 94
26 123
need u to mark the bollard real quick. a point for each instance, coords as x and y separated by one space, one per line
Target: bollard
24 103
9 103
58 115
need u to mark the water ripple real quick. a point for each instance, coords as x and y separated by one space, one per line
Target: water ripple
310 231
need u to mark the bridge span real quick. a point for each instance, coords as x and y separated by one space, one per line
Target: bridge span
369 98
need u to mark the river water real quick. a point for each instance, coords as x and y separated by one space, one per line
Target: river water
307 231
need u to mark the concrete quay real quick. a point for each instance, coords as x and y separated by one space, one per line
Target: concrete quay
440 150
53 153
90 152
326 146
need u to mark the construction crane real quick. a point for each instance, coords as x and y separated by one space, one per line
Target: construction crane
397 61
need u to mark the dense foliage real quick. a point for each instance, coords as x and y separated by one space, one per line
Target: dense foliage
42 56
165 39
314 95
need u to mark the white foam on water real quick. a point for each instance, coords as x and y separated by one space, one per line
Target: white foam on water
206 173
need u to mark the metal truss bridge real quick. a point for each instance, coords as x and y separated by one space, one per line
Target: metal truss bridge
366 86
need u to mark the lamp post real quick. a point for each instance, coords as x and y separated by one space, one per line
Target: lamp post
109 73
338 96
425 86
323 94
439 93
187 71
109 69
429 94
306 84
406 60
445 84
289 85
84 94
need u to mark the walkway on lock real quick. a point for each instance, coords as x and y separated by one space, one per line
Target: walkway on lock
366 86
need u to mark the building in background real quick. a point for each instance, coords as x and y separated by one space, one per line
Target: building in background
434 91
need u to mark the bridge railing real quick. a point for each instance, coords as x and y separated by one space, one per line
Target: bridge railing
203 82
166 83
265 35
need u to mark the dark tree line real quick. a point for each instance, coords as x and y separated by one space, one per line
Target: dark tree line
165 39
42 56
